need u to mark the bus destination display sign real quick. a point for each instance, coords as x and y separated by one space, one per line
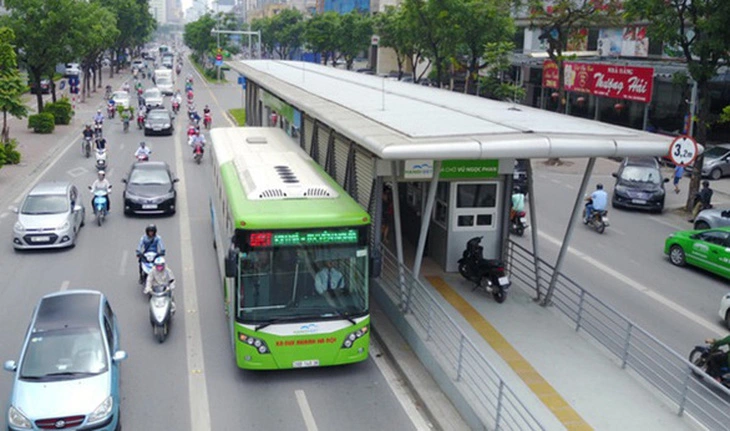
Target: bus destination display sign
312 237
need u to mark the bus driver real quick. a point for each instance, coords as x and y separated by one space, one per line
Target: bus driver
329 279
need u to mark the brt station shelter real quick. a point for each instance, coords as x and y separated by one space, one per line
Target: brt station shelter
452 154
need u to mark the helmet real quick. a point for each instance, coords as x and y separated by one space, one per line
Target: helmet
159 263
101 174
599 186
88 126
98 111
151 228
706 183
142 144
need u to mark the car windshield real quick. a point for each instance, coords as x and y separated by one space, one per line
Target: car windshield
163 81
641 174
119 96
65 353
149 177
158 115
45 204
716 152
152 93
290 283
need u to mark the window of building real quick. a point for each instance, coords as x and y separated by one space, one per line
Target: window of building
475 206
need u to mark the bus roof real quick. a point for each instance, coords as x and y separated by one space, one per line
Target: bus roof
271 183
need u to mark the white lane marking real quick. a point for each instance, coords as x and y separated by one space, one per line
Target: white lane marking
65 285
306 411
554 181
401 393
666 223
712 327
123 263
77 172
197 388
3 215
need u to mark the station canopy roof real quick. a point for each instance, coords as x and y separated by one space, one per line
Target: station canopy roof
398 120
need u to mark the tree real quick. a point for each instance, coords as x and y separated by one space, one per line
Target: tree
287 29
497 56
320 33
135 23
96 30
397 32
699 28
436 28
11 84
353 35
267 34
43 31
481 23
198 37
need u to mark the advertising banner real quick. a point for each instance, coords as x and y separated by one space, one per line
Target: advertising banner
618 82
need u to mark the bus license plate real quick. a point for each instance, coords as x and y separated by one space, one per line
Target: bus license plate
149 207
307 363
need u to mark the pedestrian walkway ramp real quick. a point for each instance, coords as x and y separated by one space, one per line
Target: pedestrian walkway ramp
519 366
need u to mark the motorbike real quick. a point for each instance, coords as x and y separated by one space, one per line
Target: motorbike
598 220
110 111
487 274
198 153
145 265
161 310
140 120
125 122
518 223
700 355
207 120
108 92
98 129
176 107
100 204
101 164
86 146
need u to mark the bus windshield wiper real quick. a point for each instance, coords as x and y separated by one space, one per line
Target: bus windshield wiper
274 320
342 315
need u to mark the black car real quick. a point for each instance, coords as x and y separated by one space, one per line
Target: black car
639 184
45 86
158 121
150 189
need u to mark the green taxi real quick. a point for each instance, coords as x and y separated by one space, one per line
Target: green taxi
707 249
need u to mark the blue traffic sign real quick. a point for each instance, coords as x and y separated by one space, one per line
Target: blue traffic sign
218 63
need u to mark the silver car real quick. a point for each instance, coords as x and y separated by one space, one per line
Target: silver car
49 217
713 218
717 162
67 376
152 97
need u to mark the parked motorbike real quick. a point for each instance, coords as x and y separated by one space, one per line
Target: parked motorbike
140 120
700 355
161 310
207 120
100 204
487 274
101 159
86 146
198 153
518 223
598 221
145 265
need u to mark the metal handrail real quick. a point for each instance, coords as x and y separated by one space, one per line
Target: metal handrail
490 397
688 387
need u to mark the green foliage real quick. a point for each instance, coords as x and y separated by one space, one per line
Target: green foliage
320 33
61 111
42 123
493 85
238 114
3 158
353 35
267 33
12 86
197 36
287 28
10 153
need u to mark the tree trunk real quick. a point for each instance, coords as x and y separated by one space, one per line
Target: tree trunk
6 130
701 137
53 91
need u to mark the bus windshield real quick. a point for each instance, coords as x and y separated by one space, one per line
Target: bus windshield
302 283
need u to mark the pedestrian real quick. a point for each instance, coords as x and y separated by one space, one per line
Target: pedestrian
387 214
678 174
702 200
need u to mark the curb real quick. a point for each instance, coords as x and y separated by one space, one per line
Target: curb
430 399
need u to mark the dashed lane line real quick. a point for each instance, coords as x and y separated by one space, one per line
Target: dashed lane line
306 411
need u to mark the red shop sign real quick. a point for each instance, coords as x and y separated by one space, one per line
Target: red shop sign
606 80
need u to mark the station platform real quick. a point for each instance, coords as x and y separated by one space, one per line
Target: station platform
562 377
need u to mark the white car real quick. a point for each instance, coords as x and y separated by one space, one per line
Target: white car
153 97
73 69
121 98
725 309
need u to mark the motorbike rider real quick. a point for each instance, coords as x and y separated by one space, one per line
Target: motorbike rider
125 87
99 117
702 200
518 203
206 110
101 183
161 275
596 202
194 116
718 359
150 241
143 150
88 133
197 140
100 143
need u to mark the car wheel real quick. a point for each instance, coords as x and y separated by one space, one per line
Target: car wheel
701 225
716 174
676 255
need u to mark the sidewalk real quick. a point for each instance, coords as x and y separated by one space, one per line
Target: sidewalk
39 150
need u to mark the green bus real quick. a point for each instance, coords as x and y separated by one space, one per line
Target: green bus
292 250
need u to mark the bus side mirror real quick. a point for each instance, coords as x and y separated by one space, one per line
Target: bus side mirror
231 263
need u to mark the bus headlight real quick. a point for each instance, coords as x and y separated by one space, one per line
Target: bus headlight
351 337
257 343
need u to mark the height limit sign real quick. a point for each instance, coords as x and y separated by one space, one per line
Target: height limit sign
683 150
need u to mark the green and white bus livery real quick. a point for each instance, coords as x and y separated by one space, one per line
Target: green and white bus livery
293 254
